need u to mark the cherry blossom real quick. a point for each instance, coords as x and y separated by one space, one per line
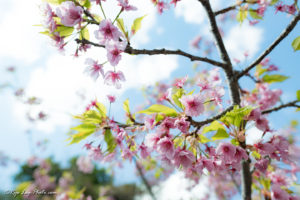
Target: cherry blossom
69 13
85 164
94 69
114 78
107 31
193 105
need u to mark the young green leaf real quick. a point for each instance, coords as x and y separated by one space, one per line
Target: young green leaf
84 130
84 34
298 95
274 78
253 13
137 24
121 26
110 141
215 125
221 134
55 2
242 15
296 44
126 106
64 31
158 108
176 96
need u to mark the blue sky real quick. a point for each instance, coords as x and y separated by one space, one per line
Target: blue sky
55 77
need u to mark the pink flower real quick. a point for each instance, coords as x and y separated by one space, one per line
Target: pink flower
278 193
182 124
97 1
85 164
165 146
69 13
262 124
262 165
114 78
48 15
208 164
151 140
291 9
174 2
227 152
254 115
107 31
184 158
149 122
114 54
166 125
125 5
196 41
180 82
94 69
161 6
95 153
265 148
111 98
193 105
240 154
127 154
214 76
144 150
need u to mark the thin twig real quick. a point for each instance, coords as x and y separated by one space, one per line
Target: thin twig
209 120
283 35
290 104
131 50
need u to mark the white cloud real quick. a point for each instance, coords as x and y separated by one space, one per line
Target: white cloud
177 187
19 39
253 135
192 11
58 83
243 38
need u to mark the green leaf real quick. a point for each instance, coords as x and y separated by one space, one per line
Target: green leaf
55 2
298 109
110 141
84 130
23 186
64 31
235 142
266 183
92 117
294 123
254 15
176 96
256 155
242 15
126 106
215 125
101 108
203 139
47 33
84 34
260 70
137 24
221 134
274 2
120 24
236 116
298 95
158 108
274 78
296 44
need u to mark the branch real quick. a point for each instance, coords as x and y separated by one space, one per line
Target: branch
283 35
209 120
131 50
233 7
230 73
290 104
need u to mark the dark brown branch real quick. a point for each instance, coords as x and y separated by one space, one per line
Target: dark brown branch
290 104
232 7
209 120
283 35
230 73
131 50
